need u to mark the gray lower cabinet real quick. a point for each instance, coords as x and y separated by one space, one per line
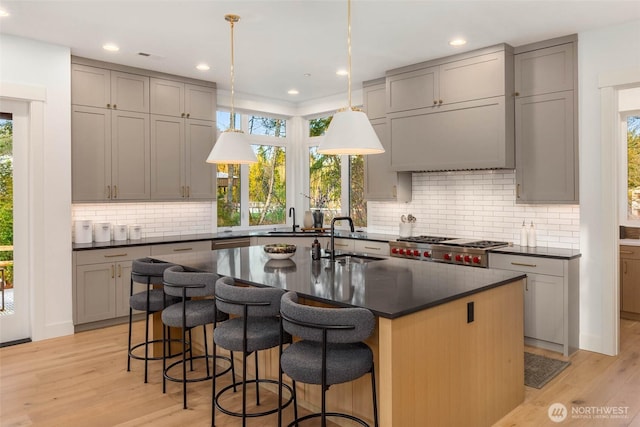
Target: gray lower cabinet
179 148
380 182
546 134
551 299
110 154
102 282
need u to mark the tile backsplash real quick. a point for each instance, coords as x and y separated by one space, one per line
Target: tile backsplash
157 219
476 204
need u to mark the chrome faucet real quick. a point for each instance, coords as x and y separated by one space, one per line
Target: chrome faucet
292 209
333 232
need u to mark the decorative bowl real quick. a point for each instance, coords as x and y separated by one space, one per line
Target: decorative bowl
280 250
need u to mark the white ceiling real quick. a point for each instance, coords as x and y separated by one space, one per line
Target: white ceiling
277 42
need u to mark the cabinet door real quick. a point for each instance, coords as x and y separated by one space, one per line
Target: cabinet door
90 153
129 92
544 308
371 248
167 97
452 138
200 102
90 86
95 292
472 78
345 245
130 156
167 158
123 286
200 175
630 283
545 149
182 247
412 90
374 101
545 70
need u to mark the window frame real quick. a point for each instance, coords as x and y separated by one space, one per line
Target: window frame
623 171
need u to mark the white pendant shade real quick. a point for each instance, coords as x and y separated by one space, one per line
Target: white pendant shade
232 147
350 132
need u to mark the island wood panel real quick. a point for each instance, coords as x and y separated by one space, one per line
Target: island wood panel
437 369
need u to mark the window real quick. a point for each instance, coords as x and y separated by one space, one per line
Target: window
260 188
329 174
632 122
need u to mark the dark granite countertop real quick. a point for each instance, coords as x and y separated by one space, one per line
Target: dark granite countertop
225 235
391 287
557 253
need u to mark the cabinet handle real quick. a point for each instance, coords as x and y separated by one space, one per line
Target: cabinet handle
108 191
112 272
115 191
115 255
108 105
440 101
182 249
626 252
523 264
188 114
435 102
372 248
516 93
526 285
119 270
182 115
625 267
182 190
188 191
115 106
517 191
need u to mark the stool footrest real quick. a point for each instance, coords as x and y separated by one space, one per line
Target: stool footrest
133 348
328 414
252 414
197 379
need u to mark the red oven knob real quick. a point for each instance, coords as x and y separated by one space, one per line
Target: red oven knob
447 257
401 251
394 250
467 258
416 252
476 259
459 258
427 254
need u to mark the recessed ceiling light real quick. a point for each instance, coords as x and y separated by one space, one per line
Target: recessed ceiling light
458 42
110 47
293 91
203 67
342 72
307 74
3 13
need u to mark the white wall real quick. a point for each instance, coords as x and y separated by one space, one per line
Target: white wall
30 63
600 51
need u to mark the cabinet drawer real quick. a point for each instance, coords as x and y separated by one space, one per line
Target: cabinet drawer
630 252
527 264
172 248
369 247
343 244
111 255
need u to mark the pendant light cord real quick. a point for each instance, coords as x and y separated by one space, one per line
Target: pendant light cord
232 19
349 50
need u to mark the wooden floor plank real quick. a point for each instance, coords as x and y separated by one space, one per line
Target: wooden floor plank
81 380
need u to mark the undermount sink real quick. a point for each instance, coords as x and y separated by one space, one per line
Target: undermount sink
353 259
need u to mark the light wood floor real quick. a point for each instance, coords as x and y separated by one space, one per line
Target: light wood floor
81 380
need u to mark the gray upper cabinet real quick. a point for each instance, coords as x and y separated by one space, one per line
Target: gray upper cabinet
453 113
546 122
381 183
177 99
110 155
98 87
122 152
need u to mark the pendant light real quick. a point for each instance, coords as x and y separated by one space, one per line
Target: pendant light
232 146
350 131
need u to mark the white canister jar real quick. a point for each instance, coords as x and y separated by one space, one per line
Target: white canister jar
119 232
135 232
101 232
83 231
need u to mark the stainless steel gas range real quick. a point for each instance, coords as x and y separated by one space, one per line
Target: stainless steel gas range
471 252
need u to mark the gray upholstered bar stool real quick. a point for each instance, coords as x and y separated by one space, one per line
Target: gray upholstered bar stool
256 327
187 314
330 351
148 272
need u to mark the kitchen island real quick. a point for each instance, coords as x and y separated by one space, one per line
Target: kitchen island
448 344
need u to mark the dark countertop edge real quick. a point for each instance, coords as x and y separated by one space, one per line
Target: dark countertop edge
225 236
402 313
540 252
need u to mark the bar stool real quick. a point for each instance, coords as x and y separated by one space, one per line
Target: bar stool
330 351
187 314
149 272
256 327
